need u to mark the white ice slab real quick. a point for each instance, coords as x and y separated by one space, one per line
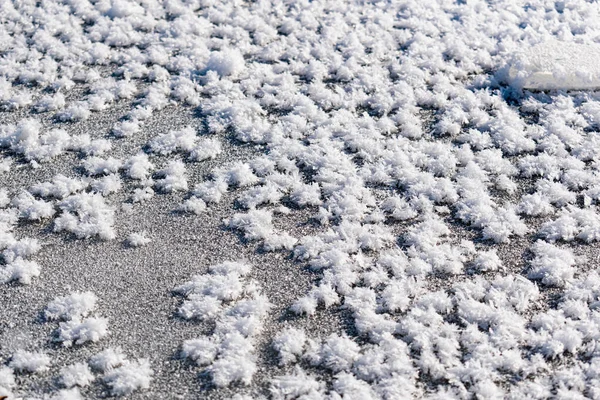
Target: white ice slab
556 65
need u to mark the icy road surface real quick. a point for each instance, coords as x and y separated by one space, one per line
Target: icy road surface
299 199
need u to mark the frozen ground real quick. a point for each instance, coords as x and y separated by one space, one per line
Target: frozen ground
299 200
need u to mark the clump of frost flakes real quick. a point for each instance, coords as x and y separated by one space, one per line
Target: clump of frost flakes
78 374
176 140
138 239
572 223
257 225
27 139
50 103
107 184
211 191
76 326
238 309
75 305
226 63
289 343
138 166
15 252
552 265
123 129
142 194
488 261
193 205
206 149
60 187
86 215
32 209
101 166
173 177
25 361
298 384
19 270
78 332
238 174
129 377
107 359
4 198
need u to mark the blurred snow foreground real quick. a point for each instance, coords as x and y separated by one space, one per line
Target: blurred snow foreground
431 169
556 64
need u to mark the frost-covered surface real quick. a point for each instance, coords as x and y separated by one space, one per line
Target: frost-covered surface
350 199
